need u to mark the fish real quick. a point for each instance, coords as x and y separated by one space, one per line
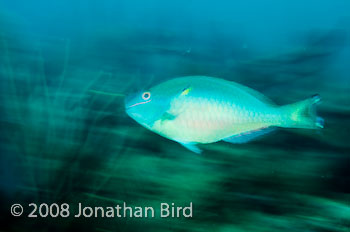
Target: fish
194 110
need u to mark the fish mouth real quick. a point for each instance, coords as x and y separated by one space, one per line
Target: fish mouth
127 101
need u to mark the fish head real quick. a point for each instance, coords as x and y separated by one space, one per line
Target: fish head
145 107
154 104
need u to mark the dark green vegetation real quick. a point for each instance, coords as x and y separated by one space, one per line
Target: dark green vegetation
64 141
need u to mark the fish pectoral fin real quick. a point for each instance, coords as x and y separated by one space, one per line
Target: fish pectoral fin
167 116
249 135
191 146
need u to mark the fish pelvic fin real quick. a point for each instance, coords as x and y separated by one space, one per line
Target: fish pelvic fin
302 114
191 146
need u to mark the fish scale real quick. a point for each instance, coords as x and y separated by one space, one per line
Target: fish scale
207 121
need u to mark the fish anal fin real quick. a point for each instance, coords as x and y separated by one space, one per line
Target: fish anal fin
249 136
192 147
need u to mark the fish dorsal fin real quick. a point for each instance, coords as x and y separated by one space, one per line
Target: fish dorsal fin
248 136
239 88
254 93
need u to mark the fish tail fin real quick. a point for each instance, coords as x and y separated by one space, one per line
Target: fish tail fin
302 114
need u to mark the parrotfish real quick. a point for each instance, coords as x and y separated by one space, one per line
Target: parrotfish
195 110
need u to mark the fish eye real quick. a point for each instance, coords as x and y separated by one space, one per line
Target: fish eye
146 95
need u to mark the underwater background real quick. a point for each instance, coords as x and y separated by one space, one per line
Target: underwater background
65 137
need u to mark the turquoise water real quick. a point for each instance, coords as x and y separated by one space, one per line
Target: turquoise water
65 68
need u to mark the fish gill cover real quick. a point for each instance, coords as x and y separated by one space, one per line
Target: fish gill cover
65 138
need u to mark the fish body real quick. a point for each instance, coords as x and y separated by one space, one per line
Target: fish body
200 109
